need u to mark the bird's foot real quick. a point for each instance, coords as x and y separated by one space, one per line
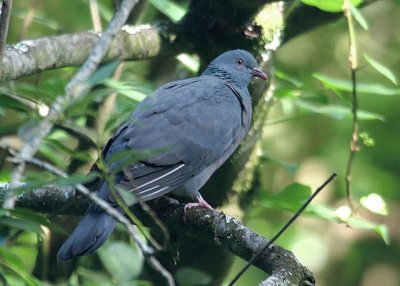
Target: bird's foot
200 203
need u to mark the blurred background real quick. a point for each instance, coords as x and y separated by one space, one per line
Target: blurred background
306 137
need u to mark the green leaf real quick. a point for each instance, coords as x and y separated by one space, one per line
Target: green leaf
74 179
192 277
375 203
385 71
103 72
76 130
346 85
14 263
14 103
170 9
191 62
284 76
51 154
21 224
80 155
117 258
337 112
352 221
329 5
358 16
290 198
128 197
12 258
383 231
367 139
291 168
134 92
36 218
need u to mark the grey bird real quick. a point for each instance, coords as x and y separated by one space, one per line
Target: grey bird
184 132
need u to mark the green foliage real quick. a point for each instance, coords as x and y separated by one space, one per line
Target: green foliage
337 112
338 85
310 120
11 264
27 220
169 8
118 257
381 69
329 5
192 277
358 16
293 196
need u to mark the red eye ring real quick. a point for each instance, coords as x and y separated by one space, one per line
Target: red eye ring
239 61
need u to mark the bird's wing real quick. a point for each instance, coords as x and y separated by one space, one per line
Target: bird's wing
182 128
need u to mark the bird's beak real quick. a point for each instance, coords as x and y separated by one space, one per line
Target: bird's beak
259 73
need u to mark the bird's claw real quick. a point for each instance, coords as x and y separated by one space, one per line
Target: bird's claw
200 203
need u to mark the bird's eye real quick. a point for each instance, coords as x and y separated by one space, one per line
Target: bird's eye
239 61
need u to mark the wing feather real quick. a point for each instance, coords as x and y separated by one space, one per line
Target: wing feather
194 121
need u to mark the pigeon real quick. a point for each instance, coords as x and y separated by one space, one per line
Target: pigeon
173 142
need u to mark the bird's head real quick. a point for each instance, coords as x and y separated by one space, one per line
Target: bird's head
237 66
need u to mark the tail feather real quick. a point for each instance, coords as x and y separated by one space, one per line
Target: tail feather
91 233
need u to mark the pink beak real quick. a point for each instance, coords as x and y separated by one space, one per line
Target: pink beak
259 73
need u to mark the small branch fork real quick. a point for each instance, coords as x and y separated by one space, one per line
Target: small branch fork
354 146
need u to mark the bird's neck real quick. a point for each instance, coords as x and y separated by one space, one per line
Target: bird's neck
222 74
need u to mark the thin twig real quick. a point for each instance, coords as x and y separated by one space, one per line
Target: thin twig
28 19
4 22
95 14
72 91
354 146
155 264
292 219
159 223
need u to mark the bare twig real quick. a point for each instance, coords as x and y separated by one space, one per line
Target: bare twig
73 90
159 223
4 22
95 14
354 146
29 18
155 264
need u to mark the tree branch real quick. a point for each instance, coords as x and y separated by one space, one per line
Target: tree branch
210 226
33 56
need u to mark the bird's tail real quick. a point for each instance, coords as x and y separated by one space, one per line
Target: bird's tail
91 232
